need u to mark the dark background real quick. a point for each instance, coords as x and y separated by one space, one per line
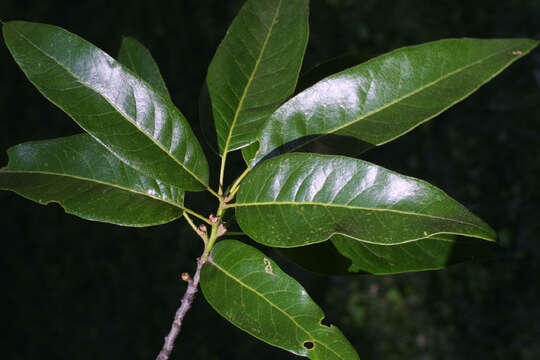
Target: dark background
72 289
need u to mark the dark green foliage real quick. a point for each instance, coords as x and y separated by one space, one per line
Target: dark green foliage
88 181
125 114
253 293
345 250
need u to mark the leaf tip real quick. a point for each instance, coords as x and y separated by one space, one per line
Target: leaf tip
528 46
492 234
126 38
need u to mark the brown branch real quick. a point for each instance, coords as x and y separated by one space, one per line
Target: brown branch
185 305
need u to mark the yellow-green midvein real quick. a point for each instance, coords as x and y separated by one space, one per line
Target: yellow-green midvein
125 116
344 206
412 93
244 95
169 202
274 306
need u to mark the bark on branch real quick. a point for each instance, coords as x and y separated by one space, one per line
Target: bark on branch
185 305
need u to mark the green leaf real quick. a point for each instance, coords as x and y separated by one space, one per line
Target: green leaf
256 67
330 67
90 182
300 199
330 143
249 152
320 258
343 256
206 120
253 293
431 253
124 113
390 95
138 59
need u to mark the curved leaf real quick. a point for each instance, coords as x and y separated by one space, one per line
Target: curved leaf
138 59
256 67
90 182
123 112
390 95
299 199
431 253
331 144
253 293
330 67
343 256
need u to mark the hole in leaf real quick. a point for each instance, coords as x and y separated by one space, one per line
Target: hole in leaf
324 322
309 345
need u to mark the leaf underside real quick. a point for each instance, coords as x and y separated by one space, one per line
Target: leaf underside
340 256
88 181
433 253
254 294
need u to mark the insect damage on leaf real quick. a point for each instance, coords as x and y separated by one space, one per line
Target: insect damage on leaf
141 156
268 267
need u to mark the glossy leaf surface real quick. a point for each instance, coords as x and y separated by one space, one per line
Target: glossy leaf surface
138 59
300 199
329 67
390 95
252 292
432 253
88 181
256 67
331 143
124 113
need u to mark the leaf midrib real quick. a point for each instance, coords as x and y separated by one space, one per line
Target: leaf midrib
91 181
250 79
125 116
432 236
313 203
273 305
422 88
